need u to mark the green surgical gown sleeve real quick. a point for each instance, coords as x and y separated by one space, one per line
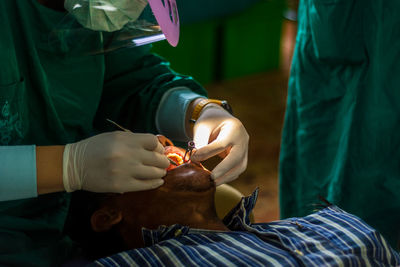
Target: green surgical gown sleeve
51 95
341 132
135 81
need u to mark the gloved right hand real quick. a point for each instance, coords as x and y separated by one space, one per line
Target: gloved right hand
114 162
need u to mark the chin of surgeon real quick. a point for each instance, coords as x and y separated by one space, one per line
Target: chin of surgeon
340 138
54 133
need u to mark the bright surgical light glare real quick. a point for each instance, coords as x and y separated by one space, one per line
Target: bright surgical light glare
106 7
77 6
203 132
148 39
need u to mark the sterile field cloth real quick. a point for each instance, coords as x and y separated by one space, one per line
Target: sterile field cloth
329 237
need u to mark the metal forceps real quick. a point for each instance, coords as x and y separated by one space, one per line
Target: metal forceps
127 130
189 151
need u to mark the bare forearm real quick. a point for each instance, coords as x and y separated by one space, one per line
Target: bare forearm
49 167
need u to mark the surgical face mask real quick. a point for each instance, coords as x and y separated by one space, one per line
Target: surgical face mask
105 15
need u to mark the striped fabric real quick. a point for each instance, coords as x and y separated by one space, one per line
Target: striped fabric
329 237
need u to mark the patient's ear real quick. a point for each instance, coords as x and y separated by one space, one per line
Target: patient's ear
103 219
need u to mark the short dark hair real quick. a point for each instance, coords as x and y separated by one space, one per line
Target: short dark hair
79 229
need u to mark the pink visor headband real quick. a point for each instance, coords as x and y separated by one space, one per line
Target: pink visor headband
167 16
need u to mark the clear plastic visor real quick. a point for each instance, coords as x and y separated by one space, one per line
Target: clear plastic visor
72 37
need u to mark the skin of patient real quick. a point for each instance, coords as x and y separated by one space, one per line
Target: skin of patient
186 198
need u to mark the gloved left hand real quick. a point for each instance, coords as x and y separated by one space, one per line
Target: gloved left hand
216 132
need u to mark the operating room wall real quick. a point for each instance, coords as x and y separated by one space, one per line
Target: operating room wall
234 39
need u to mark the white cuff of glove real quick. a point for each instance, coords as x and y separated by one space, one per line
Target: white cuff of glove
71 179
171 112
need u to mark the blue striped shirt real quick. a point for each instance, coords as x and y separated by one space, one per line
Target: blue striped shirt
329 237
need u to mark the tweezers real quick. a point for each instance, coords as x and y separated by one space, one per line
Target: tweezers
189 151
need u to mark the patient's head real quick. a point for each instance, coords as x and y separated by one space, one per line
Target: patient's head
113 222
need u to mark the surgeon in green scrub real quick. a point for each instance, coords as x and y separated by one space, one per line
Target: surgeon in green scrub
64 72
341 134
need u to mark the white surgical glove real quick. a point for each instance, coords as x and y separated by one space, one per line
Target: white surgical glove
216 132
114 162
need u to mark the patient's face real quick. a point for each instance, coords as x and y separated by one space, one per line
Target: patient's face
184 184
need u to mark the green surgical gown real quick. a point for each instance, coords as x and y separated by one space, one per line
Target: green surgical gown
341 136
51 96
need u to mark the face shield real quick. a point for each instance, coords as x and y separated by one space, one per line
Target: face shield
99 26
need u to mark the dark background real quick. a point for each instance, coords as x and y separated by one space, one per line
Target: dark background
240 50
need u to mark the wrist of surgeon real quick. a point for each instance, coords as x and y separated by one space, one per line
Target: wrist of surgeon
49 169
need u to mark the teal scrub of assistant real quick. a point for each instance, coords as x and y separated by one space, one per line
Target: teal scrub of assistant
50 96
341 132
18 169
